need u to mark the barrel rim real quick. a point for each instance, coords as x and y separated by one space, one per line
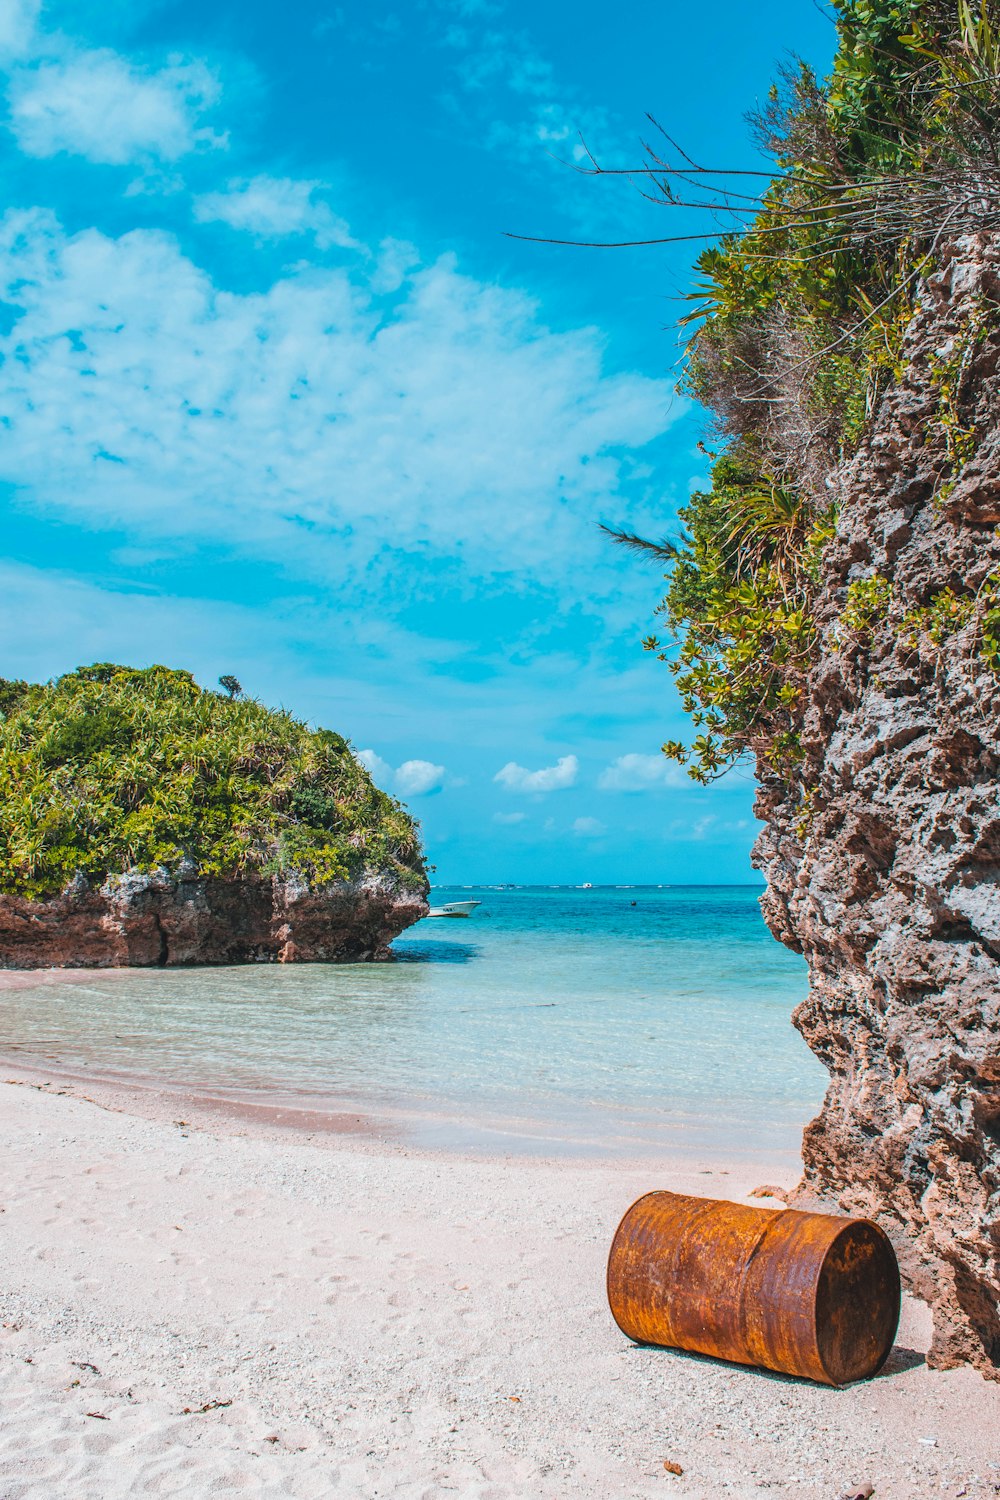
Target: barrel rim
854 1222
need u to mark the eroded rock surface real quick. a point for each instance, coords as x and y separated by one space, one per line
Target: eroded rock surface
161 920
888 877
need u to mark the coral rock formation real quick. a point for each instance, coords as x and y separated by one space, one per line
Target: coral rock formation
886 877
165 919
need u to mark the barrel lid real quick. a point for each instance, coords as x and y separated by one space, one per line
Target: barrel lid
858 1300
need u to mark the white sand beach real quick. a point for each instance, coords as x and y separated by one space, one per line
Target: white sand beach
210 1305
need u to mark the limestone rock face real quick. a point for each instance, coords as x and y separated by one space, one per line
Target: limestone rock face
887 878
164 919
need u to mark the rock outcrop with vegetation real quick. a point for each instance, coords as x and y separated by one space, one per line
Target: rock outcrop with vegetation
144 820
882 856
833 613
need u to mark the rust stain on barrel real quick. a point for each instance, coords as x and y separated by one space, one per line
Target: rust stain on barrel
807 1294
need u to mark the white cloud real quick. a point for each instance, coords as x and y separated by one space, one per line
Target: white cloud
588 827
396 260
414 778
96 104
313 419
639 773
273 207
17 25
378 769
509 819
549 779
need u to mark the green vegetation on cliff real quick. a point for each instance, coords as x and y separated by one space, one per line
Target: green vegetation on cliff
111 769
798 324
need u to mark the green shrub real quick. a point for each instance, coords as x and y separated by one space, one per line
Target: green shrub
867 603
113 768
942 616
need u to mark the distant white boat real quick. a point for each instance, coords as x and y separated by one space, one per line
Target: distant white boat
454 909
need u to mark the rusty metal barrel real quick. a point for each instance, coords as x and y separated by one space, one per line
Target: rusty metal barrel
806 1294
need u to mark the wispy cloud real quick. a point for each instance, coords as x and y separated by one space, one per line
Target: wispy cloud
509 819
708 828
75 621
515 778
316 419
526 112
96 104
588 827
639 773
17 26
275 208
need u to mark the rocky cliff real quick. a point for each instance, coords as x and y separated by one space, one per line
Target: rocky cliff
170 919
886 873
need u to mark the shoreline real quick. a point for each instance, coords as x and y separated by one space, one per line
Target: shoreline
215 1303
478 1123
576 1075
401 1121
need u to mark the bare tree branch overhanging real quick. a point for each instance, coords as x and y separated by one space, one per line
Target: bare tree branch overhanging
808 279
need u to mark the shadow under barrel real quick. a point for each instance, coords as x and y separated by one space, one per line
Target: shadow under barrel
814 1295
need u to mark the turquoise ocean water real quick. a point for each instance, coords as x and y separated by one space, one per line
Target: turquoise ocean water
619 1021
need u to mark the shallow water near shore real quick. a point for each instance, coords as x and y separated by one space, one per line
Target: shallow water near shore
618 1022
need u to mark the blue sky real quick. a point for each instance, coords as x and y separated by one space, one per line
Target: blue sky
280 399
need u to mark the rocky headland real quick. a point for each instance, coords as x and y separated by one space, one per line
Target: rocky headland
146 821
